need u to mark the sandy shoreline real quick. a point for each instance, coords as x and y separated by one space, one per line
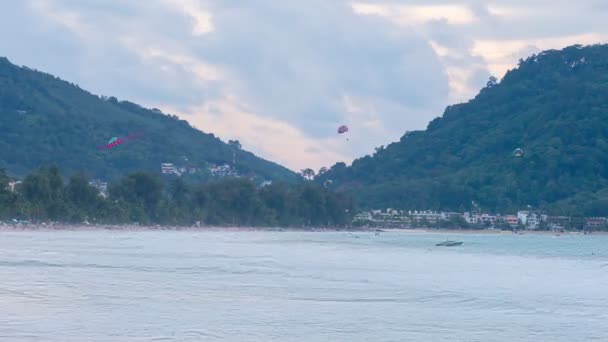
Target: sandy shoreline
63 227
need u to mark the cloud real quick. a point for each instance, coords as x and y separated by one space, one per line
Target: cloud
280 76
409 14
202 21
298 60
475 39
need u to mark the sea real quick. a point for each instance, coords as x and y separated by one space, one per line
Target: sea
110 285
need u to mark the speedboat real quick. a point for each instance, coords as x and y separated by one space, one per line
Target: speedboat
449 243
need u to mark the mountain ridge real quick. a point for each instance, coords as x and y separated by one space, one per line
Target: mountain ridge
553 106
46 120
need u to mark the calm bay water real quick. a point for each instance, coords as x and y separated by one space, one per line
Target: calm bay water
294 286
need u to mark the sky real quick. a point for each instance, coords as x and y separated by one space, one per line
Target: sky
281 76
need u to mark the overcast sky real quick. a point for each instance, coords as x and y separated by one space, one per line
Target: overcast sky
282 75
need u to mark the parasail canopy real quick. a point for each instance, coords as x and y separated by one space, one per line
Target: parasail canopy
518 152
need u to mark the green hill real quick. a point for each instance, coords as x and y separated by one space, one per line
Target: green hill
44 120
554 106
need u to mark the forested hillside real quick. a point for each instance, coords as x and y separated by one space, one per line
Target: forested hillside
44 120
554 106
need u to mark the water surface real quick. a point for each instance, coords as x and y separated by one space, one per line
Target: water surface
293 286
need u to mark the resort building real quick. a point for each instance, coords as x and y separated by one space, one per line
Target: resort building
168 168
512 220
531 219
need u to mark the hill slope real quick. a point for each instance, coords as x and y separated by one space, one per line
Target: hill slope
554 106
46 120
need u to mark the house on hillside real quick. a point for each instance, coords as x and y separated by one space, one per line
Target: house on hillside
102 187
169 168
265 184
12 185
223 170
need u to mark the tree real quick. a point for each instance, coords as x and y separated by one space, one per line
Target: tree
504 225
180 193
279 198
7 198
492 81
235 144
311 206
141 193
44 192
308 174
82 198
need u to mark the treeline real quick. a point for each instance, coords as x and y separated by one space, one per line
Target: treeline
147 199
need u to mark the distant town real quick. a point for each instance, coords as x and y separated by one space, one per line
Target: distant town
522 220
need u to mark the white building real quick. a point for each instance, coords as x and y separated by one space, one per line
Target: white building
265 184
169 168
222 170
531 219
451 215
482 219
522 217
487 219
470 218
364 216
431 217
102 187
12 185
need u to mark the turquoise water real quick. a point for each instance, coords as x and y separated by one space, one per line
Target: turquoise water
293 286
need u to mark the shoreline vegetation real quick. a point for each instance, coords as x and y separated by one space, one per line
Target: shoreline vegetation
142 201
148 200
31 227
